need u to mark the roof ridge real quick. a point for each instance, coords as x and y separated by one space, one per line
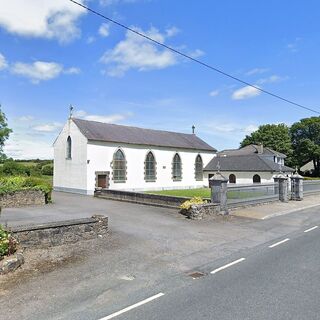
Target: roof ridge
135 127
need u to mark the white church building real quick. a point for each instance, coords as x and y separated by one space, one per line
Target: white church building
90 155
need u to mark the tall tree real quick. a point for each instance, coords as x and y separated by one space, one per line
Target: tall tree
274 136
4 131
306 141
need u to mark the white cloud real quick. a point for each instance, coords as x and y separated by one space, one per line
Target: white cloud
72 70
135 52
90 40
41 18
47 127
256 71
272 79
113 118
41 70
171 32
26 118
214 93
3 62
104 30
245 93
294 46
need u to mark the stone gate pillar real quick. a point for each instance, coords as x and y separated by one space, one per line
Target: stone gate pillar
297 187
282 180
218 184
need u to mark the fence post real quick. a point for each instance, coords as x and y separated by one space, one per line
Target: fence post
283 186
297 186
218 185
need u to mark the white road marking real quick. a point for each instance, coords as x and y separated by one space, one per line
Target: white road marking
278 243
313 228
118 313
227 265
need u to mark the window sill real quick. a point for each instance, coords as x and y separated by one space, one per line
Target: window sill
151 180
68 158
176 180
119 181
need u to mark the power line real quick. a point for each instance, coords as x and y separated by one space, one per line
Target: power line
194 59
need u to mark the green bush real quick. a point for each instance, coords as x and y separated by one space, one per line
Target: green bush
194 201
8 244
47 169
11 184
12 168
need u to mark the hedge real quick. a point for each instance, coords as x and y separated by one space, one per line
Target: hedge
18 183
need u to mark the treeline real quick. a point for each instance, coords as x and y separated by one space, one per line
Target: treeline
29 168
300 141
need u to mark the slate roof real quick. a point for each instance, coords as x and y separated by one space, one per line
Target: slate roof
98 131
252 149
253 162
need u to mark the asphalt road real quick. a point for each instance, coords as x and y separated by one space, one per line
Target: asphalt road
277 280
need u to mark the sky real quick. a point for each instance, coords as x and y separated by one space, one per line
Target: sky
54 53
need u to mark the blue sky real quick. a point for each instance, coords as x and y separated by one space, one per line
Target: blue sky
53 54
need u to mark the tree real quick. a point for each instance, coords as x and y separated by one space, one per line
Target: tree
4 131
274 136
305 135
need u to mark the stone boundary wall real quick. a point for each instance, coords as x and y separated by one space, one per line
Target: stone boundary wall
141 198
62 232
22 198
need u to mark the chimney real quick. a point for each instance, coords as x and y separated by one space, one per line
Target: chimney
193 128
260 151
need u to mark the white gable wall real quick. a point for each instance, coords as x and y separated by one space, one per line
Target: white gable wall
70 174
100 157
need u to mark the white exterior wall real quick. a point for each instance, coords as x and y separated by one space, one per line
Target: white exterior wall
100 157
245 177
70 174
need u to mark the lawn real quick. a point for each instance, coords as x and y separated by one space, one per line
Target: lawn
206 193
201 192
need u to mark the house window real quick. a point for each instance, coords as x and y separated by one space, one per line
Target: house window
150 168
119 167
69 148
232 178
176 168
256 178
199 168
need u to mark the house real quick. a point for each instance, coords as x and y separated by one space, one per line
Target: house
90 155
308 168
247 165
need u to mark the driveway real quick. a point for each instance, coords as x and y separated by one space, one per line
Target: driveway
147 247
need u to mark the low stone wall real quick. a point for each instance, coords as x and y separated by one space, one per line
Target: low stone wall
141 198
22 198
62 232
200 211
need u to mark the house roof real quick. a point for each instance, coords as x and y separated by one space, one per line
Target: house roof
253 162
252 149
98 131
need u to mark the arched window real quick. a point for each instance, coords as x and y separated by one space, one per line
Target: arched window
150 167
119 166
69 148
199 168
176 168
232 178
256 178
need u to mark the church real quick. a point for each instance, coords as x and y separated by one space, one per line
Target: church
90 155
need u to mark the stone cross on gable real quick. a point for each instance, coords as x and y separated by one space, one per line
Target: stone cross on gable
70 111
